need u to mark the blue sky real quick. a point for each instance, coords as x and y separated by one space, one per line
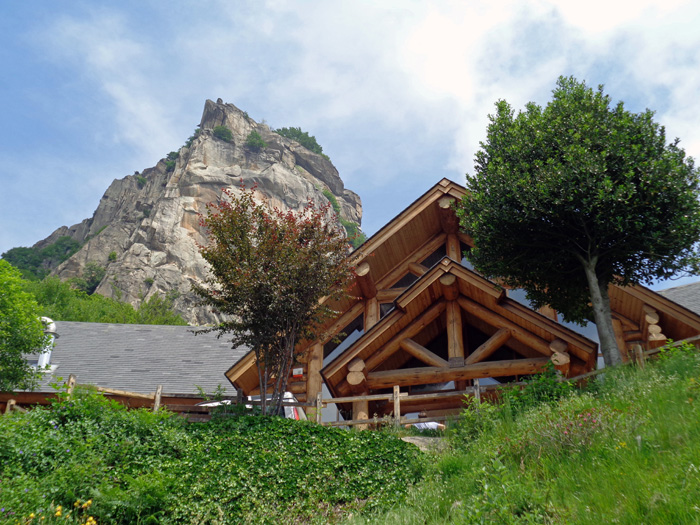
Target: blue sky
396 92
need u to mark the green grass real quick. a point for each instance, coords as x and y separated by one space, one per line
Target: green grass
139 467
626 451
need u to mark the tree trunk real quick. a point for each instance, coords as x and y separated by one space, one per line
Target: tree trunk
602 315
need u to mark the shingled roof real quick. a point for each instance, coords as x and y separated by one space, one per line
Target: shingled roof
137 358
687 295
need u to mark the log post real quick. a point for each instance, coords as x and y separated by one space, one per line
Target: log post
319 407
371 312
360 410
239 396
638 355
8 407
314 381
477 390
364 280
70 386
448 218
156 398
454 249
561 362
397 407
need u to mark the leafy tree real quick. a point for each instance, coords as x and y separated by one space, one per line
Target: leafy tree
303 138
578 195
269 271
355 235
93 273
21 331
223 133
59 301
35 263
254 141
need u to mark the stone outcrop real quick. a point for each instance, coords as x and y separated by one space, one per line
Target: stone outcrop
146 228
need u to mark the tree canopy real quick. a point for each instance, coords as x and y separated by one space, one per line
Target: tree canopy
269 271
21 331
579 194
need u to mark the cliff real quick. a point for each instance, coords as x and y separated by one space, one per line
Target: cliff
145 229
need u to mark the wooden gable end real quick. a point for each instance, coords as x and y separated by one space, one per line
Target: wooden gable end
454 325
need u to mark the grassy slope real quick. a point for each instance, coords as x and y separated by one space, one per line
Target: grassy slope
627 451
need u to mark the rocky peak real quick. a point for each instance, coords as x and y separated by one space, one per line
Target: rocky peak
145 229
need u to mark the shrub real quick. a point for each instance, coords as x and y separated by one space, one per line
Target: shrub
149 281
254 141
112 256
303 138
223 133
93 273
141 181
538 389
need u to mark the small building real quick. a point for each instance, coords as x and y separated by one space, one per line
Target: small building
420 318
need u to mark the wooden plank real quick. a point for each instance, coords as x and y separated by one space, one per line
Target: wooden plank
371 397
427 375
344 320
412 329
122 393
495 342
422 353
389 295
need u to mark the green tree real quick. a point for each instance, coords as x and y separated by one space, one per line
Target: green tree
93 273
221 132
254 141
269 270
21 331
303 138
578 195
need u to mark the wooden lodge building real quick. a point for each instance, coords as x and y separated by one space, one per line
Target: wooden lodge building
419 317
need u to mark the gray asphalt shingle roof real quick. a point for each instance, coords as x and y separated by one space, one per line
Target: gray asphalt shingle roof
137 358
687 295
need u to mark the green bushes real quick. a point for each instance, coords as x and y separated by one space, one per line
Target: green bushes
254 141
303 138
623 451
223 133
140 467
355 235
36 263
171 160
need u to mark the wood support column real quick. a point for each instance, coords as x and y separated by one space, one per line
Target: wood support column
314 381
454 250
371 312
357 379
455 340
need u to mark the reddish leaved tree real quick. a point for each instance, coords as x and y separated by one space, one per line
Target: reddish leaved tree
269 271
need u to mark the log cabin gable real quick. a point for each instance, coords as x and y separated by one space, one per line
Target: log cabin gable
426 338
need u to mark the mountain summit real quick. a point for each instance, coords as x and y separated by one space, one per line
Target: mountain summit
146 228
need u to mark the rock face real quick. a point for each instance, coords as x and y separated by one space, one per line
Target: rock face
146 229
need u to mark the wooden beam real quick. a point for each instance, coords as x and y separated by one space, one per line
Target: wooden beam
561 362
371 312
314 381
357 365
450 288
416 326
495 342
342 322
455 340
417 268
364 280
454 249
498 321
389 295
417 255
358 383
430 374
422 353
558 346
448 218
360 411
